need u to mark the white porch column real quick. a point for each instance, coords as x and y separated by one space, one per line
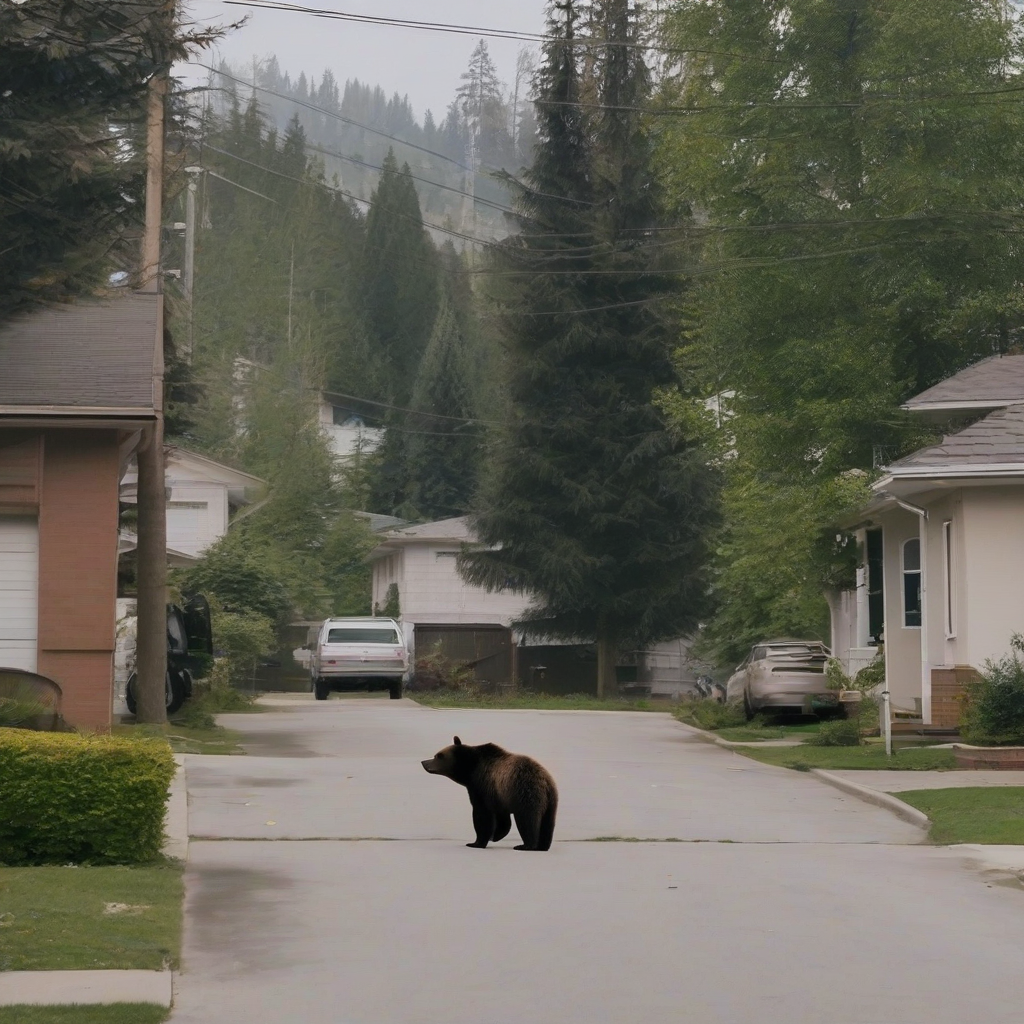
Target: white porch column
926 668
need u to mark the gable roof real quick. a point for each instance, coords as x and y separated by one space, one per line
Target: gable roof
995 441
87 358
447 531
993 383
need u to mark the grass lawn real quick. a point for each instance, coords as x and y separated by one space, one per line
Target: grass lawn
770 731
972 815
117 1013
870 755
90 918
524 700
188 740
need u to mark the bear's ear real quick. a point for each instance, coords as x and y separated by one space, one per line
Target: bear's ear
458 742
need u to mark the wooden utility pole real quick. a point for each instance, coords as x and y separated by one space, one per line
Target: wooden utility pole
151 643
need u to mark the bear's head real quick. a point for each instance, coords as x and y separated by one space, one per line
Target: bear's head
455 762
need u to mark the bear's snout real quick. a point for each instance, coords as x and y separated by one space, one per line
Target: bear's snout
430 766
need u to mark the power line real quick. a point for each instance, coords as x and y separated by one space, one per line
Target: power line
476 30
330 113
415 177
414 412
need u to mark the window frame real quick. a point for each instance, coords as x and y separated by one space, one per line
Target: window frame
949 577
919 573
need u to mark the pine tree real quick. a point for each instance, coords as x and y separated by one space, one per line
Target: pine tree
443 454
399 281
72 172
595 506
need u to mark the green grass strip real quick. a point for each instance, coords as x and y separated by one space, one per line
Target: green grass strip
869 755
90 918
992 815
115 1013
526 701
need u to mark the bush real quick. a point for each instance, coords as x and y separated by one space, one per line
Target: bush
81 799
213 696
842 732
245 639
709 714
434 671
993 709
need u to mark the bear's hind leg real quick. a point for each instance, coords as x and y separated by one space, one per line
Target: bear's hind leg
528 824
483 823
547 827
503 826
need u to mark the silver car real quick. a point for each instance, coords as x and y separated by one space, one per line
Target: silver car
784 675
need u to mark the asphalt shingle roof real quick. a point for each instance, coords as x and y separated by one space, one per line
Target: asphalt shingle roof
998 438
92 354
996 381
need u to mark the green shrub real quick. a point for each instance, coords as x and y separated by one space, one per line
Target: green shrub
66 798
993 710
841 732
212 696
709 714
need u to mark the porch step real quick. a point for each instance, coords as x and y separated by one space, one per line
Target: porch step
915 727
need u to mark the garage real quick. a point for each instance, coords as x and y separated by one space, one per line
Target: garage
19 592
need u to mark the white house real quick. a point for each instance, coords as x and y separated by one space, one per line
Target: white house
345 430
942 583
202 496
439 607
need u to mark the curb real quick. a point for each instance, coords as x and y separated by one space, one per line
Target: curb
175 843
873 796
710 737
63 988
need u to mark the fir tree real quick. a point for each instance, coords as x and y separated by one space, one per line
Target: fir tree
595 506
72 172
443 454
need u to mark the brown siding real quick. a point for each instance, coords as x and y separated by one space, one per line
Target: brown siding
21 456
78 570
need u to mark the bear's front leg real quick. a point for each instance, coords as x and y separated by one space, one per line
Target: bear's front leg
483 823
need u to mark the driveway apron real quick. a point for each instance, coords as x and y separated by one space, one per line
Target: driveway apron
328 881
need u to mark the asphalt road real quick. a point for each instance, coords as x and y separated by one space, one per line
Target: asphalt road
328 881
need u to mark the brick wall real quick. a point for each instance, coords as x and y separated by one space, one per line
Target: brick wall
78 512
948 687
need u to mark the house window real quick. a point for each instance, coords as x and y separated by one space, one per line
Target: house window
912 583
875 584
947 572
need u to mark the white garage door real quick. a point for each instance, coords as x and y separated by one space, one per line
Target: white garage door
19 592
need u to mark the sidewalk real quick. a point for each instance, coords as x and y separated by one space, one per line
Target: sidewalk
53 988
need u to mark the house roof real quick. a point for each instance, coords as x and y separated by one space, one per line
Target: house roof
89 358
993 383
993 442
182 466
447 531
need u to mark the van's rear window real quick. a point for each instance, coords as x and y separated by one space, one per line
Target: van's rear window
362 635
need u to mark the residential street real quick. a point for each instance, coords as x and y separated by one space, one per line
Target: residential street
353 899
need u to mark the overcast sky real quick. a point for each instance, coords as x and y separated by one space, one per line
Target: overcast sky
423 65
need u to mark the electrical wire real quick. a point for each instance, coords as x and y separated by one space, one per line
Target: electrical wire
491 33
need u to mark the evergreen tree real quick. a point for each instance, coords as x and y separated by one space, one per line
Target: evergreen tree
443 454
399 281
857 167
595 506
72 170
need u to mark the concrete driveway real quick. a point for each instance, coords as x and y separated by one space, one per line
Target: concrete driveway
328 882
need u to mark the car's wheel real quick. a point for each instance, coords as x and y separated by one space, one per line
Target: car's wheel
176 690
174 693
395 690
321 689
748 708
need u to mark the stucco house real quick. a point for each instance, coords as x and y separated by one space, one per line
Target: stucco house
202 495
942 584
78 394
474 626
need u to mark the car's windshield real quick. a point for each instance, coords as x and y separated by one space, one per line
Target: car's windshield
363 635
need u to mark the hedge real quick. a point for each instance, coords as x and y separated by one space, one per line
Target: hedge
66 798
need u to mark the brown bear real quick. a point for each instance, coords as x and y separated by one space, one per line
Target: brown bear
501 785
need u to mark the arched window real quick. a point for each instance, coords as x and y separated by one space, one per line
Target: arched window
912 583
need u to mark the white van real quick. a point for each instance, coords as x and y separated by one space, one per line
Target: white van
359 654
